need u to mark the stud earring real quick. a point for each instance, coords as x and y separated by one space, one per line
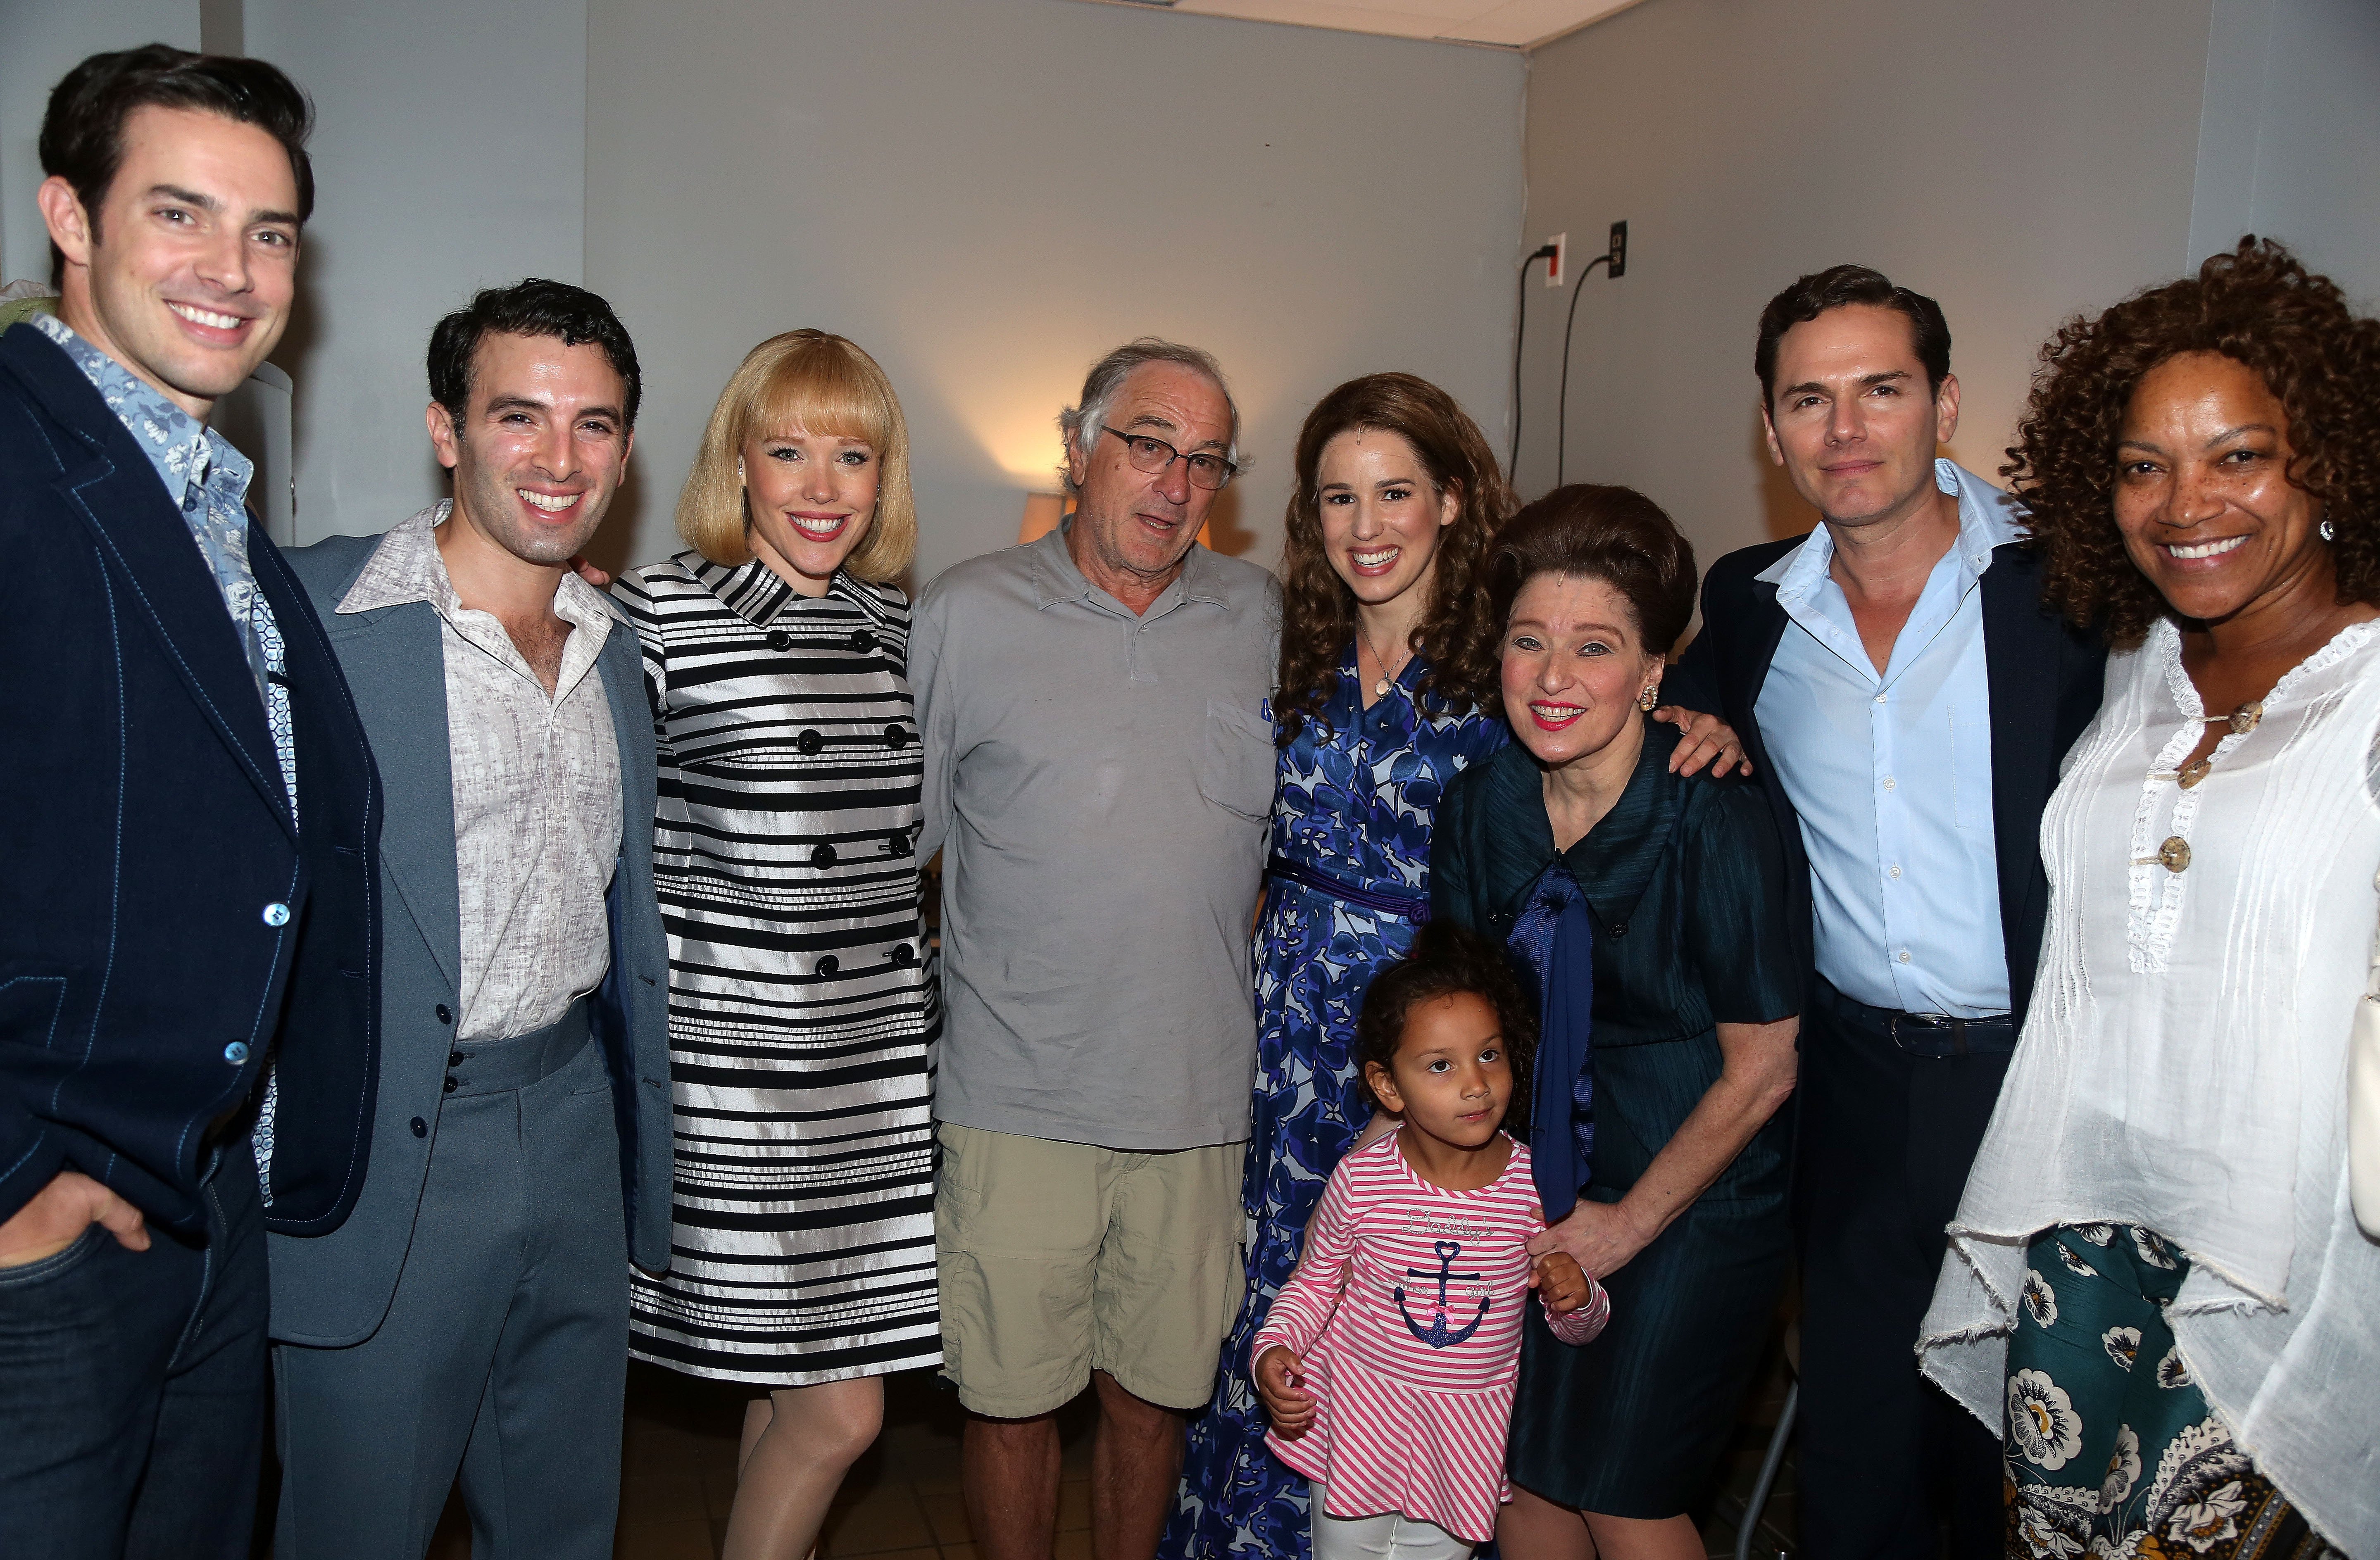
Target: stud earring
1650 697
2328 533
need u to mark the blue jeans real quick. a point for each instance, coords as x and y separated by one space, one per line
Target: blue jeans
132 1387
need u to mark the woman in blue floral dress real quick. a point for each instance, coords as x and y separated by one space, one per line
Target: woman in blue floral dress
1387 662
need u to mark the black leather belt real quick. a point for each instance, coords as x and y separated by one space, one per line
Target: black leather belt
1936 1036
492 1067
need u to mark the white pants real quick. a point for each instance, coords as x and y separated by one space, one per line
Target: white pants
1391 1536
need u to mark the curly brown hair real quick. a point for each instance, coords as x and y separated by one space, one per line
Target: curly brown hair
1456 637
2257 305
1447 958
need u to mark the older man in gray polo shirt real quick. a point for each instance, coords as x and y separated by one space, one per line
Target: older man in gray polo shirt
1099 772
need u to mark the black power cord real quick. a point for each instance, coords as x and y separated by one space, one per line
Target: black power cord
1561 405
1520 334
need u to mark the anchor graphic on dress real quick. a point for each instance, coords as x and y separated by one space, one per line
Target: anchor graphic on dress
1437 1334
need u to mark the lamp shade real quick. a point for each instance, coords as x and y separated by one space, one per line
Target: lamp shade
1042 513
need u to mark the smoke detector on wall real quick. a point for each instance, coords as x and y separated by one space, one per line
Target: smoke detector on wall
1500 24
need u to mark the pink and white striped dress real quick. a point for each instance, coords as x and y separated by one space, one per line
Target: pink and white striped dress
1406 1310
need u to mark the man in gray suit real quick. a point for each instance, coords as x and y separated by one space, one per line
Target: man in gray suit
472 1314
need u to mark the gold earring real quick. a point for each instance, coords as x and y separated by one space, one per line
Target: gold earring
1650 697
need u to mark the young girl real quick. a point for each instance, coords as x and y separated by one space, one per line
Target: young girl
1386 1363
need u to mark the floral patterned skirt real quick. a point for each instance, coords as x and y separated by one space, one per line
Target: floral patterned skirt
2110 1448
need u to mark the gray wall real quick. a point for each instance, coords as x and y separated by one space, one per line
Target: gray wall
2289 135
2018 160
450 154
40 40
986 196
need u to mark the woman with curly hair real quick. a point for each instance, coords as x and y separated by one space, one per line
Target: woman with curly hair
2157 1287
1388 680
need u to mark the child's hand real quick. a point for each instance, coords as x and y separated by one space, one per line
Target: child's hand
1280 1377
1560 1281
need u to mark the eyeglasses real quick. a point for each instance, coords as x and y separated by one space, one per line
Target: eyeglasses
1154 456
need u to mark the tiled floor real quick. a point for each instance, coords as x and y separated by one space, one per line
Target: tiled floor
902 1500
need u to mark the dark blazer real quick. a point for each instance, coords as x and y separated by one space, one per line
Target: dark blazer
2044 677
329 1293
146 969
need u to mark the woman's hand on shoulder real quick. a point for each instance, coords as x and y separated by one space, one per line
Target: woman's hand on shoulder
1598 1236
1707 740
1281 1379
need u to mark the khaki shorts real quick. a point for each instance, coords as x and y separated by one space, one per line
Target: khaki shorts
1059 1259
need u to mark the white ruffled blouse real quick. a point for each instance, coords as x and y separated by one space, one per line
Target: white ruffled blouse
2183 1066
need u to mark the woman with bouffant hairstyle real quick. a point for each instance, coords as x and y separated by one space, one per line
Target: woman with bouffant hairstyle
2157 1290
804 997
1646 910
1388 680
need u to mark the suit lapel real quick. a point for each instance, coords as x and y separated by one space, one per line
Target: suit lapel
396 662
2020 666
119 498
622 666
1764 630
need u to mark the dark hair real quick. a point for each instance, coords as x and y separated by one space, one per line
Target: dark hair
1615 535
83 130
1447 959
1841 287
2258 306
1454 636
534 308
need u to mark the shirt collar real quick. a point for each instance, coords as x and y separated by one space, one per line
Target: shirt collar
1056 579
405 567
182 450
1989 518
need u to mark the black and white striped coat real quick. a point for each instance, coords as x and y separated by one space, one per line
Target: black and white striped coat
803 1000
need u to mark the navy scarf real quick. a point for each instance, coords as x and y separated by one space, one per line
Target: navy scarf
1553 941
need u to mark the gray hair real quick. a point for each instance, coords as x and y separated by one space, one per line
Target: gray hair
1082 423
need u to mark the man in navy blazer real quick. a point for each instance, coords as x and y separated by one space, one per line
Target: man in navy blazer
187 815
472 1316
1904 699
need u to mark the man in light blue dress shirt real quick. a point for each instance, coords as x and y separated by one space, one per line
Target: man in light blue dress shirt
1905 701
1889 765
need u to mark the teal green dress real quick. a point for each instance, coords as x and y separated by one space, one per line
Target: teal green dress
1684 919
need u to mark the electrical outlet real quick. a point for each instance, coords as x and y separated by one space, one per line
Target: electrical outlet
1619 266
1558 267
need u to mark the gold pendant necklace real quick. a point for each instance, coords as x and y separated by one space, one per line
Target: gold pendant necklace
1380 688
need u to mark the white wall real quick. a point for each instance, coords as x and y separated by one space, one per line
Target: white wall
40 42
2289 135
987 196
449 154
2018 160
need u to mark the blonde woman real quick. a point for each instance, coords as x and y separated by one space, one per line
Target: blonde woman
802 1004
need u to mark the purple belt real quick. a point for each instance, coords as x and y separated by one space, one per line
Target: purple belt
1413 907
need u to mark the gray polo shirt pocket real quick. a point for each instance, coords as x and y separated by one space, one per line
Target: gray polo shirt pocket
1236 760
